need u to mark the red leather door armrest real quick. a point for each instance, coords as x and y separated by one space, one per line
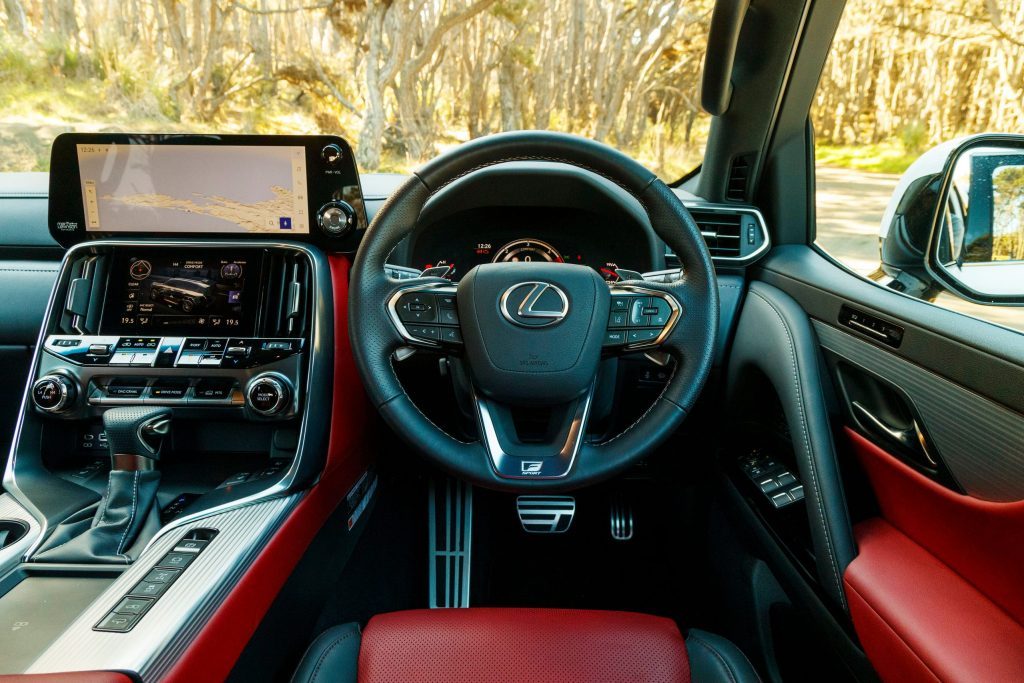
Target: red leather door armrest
920 621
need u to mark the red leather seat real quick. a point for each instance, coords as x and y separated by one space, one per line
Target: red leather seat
483 645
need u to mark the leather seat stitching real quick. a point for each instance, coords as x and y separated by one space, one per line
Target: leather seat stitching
716 654
807 444
323 656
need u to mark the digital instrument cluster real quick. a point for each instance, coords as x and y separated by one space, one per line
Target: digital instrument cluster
523 249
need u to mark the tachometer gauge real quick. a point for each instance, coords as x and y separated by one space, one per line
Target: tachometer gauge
527 250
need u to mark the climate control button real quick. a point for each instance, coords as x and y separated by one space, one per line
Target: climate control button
53 393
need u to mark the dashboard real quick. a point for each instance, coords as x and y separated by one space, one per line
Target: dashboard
525 234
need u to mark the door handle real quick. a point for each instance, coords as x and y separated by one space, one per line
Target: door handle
911 438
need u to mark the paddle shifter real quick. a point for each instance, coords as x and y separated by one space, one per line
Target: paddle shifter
118 526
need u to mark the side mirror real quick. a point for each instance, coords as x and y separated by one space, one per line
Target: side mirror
976 240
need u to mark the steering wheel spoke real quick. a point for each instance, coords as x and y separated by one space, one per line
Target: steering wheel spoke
424 312
548 453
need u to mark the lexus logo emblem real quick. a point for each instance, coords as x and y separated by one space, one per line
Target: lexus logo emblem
534 304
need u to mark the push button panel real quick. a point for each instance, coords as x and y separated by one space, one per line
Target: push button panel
428 316
170 352
140 599
638 319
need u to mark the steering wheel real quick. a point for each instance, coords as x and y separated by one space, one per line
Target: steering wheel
533 334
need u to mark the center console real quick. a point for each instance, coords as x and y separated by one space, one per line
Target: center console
181 392
205 327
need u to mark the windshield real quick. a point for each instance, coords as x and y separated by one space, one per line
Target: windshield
400 80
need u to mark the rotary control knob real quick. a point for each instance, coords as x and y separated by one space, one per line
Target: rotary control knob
331 154
268 394
53 393
336 219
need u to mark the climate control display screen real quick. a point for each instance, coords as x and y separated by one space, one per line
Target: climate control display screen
181 293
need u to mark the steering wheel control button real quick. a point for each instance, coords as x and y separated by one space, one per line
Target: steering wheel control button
446 300
637 313
639 336
620 304
451 335
429 332
268 394
417 307
659 312
614 338
617 319
448 316
53 393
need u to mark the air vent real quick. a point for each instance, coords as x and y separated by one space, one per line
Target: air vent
739 176
289 294
83 297
721 231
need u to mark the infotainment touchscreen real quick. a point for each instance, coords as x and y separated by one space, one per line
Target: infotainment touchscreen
184 187
194 188
181 293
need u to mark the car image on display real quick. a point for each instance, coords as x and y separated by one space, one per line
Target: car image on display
184 294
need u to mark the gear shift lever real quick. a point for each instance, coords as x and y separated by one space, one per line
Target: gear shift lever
115 529
134 435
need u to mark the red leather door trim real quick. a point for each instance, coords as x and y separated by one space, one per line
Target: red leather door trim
981 541
217 646
919 621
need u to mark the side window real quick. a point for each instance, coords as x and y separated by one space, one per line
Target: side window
915 190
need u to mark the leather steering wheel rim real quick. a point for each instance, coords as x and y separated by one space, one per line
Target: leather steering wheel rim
691 342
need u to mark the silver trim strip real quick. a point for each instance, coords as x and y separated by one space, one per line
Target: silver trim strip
564 458
153 646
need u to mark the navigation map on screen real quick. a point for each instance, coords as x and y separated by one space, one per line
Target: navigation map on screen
194 188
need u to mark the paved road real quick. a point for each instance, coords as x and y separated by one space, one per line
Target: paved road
850 205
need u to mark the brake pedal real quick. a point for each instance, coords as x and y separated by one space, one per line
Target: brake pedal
621 519
451 531
546 514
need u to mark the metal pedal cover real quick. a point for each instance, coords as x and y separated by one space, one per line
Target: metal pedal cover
621 519
545 514
451 532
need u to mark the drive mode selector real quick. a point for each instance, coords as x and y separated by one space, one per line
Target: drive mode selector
268 394
53 393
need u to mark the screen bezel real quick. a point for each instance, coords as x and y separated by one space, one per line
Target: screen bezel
252 304
67 220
